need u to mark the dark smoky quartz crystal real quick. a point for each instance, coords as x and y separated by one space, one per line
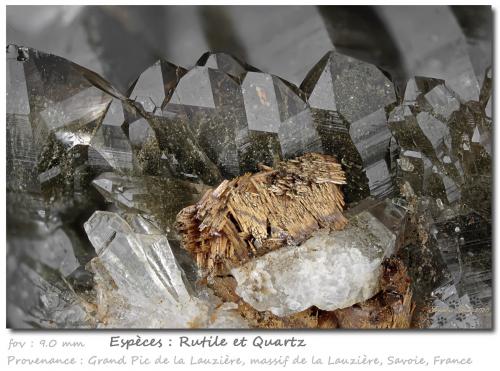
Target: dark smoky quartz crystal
54 108
97 176
444 142
348 100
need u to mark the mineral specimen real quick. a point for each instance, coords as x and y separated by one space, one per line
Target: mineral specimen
100 232
330 270
326 271
156 84
348 99
392 307
256 213
54 107
441 143
140 284
240 122
159 198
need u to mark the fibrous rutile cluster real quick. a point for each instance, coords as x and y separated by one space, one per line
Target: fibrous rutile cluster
256 213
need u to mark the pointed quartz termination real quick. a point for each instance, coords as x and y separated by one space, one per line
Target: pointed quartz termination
275 106
348 99
148 93
433 126
238 127
212 105
155 85
163 142
110 149
419 85
226 63
125 142
421 126
54 108
330 270
140 284
431 95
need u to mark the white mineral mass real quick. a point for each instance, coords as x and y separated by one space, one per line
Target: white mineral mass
331 270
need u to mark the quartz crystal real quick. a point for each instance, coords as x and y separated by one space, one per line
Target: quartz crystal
241 122
140 284
52 114
441 142
465 246
348 99
159 198
144 205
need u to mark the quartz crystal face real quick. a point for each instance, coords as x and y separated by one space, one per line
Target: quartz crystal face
223 195
348 99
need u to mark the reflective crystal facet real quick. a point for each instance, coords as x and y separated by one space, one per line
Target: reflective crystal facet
348 99
445 137
140 284
55 109
110 147
225 63
96 179
157 197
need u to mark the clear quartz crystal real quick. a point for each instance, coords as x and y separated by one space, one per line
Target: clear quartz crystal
140 284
